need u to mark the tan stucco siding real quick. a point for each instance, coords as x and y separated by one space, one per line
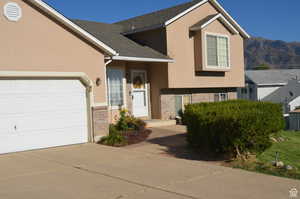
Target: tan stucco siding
158 76
182 47
36 43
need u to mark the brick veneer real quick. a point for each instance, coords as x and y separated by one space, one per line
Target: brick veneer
100 120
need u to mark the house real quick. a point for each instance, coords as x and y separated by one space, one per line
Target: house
260 84
288 96
63 81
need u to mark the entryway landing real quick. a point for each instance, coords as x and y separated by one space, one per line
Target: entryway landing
159 123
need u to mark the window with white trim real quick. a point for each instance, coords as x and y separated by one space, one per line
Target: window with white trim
217 51
115 87
221 97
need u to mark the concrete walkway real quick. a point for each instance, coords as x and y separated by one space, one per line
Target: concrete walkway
92 171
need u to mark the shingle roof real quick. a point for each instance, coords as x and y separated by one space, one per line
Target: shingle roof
111 35
271 77
155 18
285 94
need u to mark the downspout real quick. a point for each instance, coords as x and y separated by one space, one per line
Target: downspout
106 85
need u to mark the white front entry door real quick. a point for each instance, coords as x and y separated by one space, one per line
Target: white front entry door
139 93
37 114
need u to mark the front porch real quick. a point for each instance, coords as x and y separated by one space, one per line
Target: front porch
135 86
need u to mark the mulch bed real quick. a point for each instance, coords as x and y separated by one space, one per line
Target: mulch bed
135 137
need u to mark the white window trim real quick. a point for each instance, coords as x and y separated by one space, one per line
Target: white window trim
124 90
219 94
206 53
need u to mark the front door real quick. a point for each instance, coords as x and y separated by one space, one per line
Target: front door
139 93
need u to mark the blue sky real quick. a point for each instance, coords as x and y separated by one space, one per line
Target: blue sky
272 19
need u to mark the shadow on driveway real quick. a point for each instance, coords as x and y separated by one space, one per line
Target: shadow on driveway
171 141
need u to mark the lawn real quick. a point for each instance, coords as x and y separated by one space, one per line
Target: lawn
289 154
289 150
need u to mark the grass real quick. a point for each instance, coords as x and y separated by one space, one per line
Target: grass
289 154
289 150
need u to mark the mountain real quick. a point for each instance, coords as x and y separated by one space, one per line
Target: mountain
275 54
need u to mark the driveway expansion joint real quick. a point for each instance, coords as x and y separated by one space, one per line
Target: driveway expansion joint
135 183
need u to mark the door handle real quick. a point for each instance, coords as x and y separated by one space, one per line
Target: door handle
15 127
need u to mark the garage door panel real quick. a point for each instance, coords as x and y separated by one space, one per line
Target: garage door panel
42 140
42 113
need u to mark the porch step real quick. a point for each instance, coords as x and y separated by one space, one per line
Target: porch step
159 123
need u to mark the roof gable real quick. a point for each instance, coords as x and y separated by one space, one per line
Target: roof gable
210 19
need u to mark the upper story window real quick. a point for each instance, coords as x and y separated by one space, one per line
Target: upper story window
115 87
217 51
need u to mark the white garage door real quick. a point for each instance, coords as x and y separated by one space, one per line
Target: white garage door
38 114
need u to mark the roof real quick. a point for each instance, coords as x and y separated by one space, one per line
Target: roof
272 77
156 18
69 24
111 35
164 17
285 94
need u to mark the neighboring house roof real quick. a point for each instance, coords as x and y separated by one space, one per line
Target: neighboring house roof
285 94
167 16
69 24
272 77
127 49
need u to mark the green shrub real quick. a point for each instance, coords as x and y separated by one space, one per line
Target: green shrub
115 138
128 122
233 127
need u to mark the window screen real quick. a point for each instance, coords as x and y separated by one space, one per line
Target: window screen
217 51
115 87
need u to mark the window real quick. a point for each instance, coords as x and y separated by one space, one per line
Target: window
217 51
180 102
221 97
115 87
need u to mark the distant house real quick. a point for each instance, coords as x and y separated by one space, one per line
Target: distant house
288 96
270 85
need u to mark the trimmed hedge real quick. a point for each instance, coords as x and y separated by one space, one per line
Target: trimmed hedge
233 127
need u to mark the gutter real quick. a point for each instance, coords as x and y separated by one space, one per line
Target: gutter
140 59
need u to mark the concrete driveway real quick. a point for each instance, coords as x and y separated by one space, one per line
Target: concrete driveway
93 171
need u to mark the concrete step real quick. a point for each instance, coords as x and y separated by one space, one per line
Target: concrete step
159 123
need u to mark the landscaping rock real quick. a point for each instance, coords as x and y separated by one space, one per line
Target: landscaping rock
279 164
273 139
288 167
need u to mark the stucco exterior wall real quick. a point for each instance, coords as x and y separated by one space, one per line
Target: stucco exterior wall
158 76
37 43
184 48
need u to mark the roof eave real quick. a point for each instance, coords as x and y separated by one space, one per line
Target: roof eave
224 12
68 23
140 59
